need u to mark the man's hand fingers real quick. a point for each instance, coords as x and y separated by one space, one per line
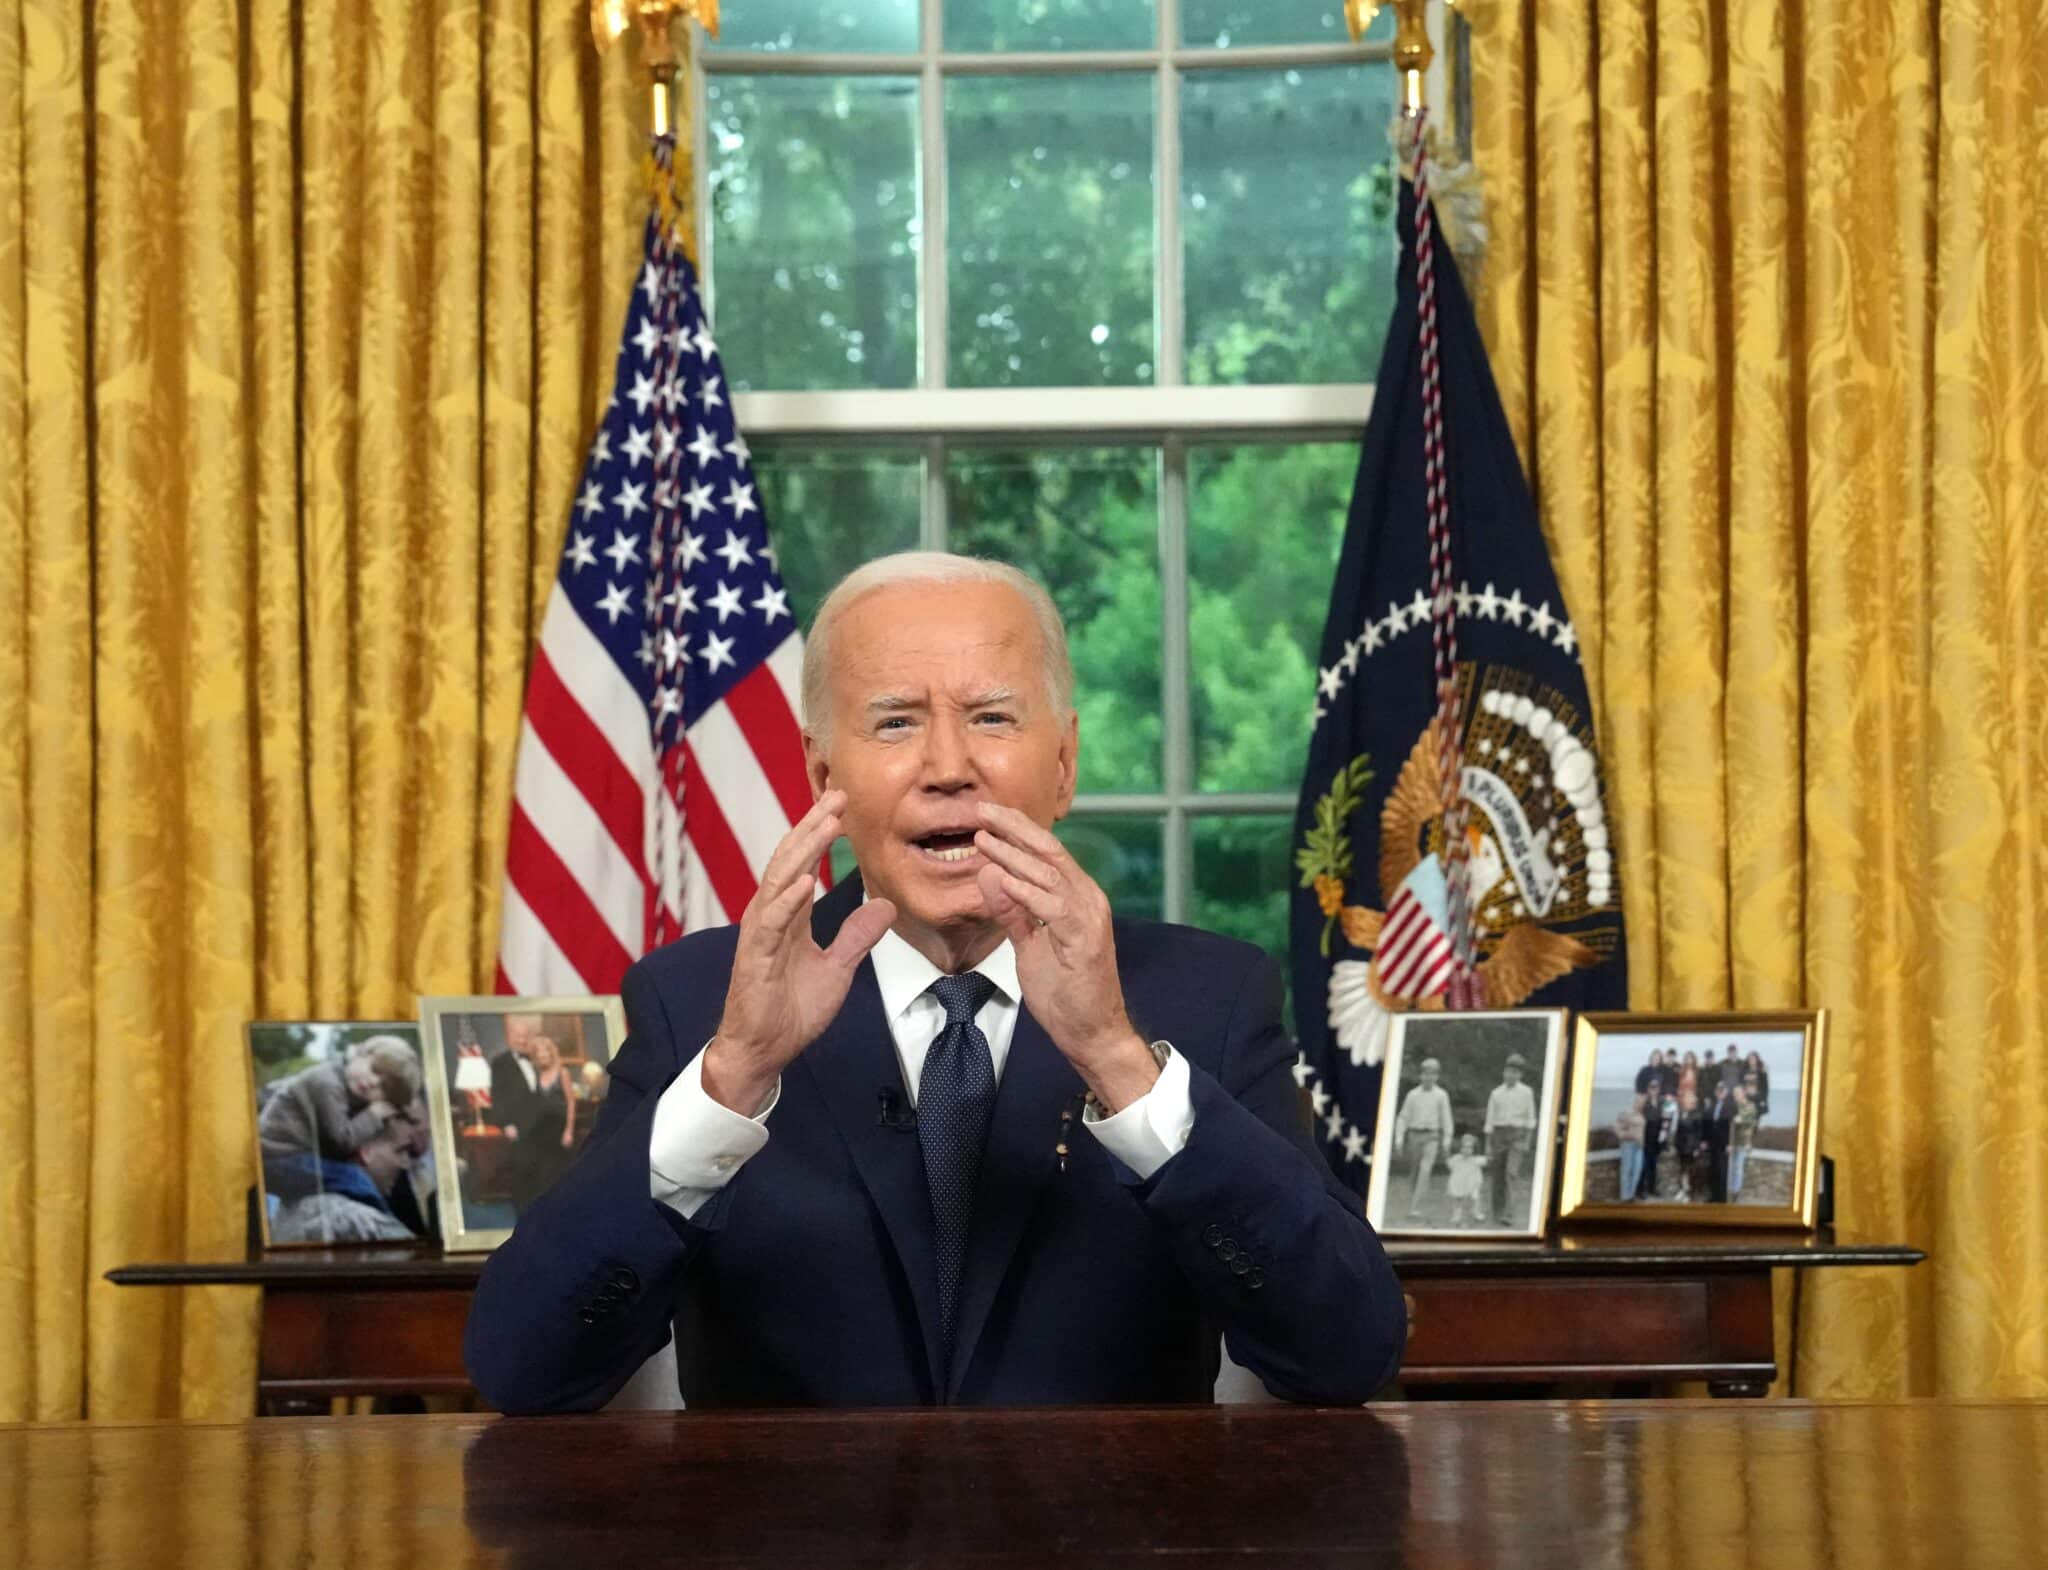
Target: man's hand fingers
808 839
1048 908
775 916
1009 824
1017 922
860 932
1013 860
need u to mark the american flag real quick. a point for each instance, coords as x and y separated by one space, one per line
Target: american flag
660 758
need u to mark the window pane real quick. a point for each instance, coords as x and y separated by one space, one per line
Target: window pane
814 226
1087 525
830 509
1265 524
1050 24
1243 879
866 26
1219 24
1124 856
1287 209
1049 233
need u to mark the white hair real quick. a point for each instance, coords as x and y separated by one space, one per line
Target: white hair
938 567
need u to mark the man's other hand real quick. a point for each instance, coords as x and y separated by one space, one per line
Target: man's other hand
785 989
1058 919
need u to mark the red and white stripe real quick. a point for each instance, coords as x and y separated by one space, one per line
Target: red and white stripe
588 816
1414 958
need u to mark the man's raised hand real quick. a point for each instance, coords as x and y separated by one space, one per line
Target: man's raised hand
785 989
1058 919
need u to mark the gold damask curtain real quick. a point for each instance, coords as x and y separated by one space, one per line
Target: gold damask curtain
304 314
1766 298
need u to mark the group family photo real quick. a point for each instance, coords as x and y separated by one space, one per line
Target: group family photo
1695 1119
1467 1121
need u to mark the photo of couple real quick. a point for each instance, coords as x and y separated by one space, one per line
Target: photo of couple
516 1087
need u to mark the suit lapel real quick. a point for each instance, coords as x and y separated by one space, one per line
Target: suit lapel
1037 1084
852 1062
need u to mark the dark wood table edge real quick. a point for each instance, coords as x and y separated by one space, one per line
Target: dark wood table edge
1588 1254
1615 1410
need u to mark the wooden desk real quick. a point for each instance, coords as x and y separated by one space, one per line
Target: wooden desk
1538 1486
1635 1305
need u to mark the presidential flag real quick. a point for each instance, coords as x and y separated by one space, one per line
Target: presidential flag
660 758
1452 842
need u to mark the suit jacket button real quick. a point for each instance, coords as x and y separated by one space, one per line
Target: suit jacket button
1213 1236
1227 1249
587 1315
624 1279
1240 1264
1254 1279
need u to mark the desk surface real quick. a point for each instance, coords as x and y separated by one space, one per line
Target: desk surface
1586 1251
1792 1486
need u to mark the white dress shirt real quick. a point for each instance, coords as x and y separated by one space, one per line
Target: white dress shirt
698 1144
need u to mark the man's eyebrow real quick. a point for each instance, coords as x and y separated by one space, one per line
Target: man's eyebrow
893 703
993 695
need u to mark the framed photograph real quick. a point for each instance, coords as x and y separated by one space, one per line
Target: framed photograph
513 1088
1697 1119
1467 1124
343 1150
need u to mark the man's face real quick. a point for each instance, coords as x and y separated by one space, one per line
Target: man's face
938 704
520 1030
1512 1074
1429 1072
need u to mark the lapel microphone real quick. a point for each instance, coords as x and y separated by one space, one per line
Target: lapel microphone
893 1111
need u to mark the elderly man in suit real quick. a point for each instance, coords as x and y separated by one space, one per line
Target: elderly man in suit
954 1133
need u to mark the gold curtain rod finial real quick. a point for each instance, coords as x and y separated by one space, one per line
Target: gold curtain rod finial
609 19
1412 51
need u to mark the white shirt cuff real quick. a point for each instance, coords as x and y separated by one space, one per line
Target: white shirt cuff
1151 1131
697 1144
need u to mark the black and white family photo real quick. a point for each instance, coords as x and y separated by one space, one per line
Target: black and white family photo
521 1082
344 1149
1466 1122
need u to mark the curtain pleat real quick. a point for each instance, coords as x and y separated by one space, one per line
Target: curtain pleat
303 325
1765 294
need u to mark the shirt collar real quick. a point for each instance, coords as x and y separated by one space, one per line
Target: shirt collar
904 975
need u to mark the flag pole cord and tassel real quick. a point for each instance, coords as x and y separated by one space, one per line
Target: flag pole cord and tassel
1412 57
1463 991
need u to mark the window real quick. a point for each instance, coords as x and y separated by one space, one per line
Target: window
1097 286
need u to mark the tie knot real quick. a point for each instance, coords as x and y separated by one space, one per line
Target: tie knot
962 996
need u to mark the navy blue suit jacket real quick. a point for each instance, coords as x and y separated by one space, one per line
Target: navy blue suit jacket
809 1279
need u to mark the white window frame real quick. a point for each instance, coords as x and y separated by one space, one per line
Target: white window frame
1167 415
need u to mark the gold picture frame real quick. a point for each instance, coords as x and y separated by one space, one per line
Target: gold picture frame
1697 1179
485 1176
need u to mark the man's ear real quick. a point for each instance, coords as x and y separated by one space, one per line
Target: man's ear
817 765
1070 765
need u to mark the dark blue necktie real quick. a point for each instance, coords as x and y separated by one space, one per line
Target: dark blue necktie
956 1091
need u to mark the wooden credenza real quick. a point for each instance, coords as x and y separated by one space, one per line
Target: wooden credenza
1629 1306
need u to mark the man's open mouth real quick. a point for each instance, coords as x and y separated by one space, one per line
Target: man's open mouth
947 844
